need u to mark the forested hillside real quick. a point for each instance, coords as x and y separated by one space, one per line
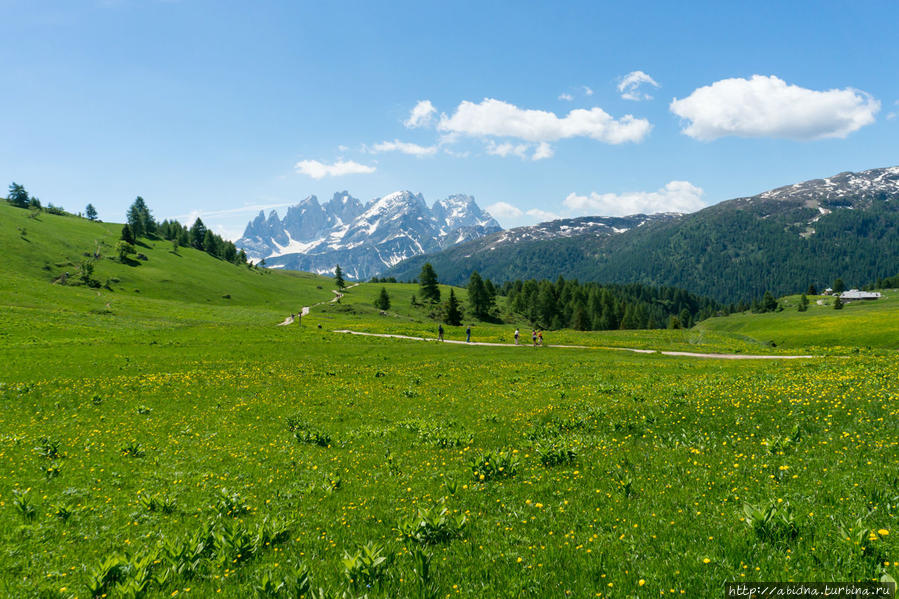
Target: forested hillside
783 240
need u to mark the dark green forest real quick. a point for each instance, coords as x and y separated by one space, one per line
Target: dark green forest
732 252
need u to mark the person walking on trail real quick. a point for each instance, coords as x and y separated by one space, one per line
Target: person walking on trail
534 336
516 336
540 337
468 334
440 332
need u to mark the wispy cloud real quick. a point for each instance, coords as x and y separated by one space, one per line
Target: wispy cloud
629 86
319 170
405 148
566 97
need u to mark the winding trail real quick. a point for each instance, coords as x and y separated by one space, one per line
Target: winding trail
630 349
337 295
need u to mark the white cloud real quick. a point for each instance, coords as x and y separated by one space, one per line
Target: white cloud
542 215
500 119
508 149
504 210
566 97
769 107
588 91
629 86
422 115
191 216
891 116
513 216
319 170
405 147
676 196
544 150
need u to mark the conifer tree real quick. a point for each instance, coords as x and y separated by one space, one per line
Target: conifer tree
338 278
453 315
382 302
427 281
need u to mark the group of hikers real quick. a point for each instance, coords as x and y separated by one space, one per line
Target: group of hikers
536 335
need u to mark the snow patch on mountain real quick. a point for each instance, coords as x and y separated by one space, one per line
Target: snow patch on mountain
363 239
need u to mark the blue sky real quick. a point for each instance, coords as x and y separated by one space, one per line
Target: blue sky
217 108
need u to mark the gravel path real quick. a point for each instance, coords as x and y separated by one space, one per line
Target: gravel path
630 349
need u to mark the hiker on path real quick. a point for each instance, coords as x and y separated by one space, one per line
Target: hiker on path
468 334
440 332
516 336
534 336
540 337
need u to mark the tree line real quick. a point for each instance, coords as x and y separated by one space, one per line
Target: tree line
570 303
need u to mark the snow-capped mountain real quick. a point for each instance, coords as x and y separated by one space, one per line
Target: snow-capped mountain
363 239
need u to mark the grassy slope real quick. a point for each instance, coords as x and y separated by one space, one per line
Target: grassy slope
668 449
859 324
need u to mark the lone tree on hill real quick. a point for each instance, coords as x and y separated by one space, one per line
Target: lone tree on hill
427 281
338 278
18 196
90 212
453 315
803 303
382 302
127 234
837 303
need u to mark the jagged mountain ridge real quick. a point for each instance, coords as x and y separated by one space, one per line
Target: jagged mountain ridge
780 240
363 239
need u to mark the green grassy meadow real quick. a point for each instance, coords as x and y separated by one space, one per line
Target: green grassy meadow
173 442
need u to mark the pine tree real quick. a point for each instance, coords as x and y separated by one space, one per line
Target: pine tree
803 303
812 290
427 281
90 212
478 298
17 195
197 234
338 278
769 304
127 234
837 303
383 300
839 286
453 315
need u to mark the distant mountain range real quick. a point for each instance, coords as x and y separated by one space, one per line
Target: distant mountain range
781 240
364 239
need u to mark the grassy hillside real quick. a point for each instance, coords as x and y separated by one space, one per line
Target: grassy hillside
179 444
860 324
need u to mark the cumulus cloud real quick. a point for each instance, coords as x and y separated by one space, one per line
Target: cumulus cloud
422 115
495 118
544 150
629 86
769 107
676 196
319 170
504 210
405 147
566 97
